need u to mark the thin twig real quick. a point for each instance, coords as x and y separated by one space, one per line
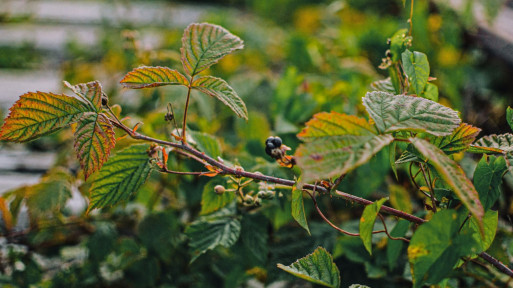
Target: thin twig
386 230
431 190
312 195
165 170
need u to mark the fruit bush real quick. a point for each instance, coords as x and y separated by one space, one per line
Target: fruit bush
173 205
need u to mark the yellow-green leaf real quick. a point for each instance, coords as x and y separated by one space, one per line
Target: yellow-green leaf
453 175
204 44
298 208
367 223
146 77
437 245
458 141
94 138
317 268
212 201
90 92
218 88
326 124
38 114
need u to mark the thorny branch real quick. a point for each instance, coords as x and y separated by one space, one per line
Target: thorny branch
226 170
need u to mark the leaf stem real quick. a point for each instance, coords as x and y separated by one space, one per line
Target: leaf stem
411 18
431 190
184 125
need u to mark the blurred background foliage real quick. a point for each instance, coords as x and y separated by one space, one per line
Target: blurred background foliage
300 57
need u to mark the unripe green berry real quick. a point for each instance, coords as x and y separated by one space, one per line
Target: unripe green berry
219 189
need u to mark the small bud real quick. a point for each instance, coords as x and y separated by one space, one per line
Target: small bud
261 194
219 189
248 200
257 202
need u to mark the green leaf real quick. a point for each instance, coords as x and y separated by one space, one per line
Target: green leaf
453 175
400 112
147 77
90 92
317 268
218 88
430 92
395 247
367 222
254 235
488 179
337 155
204 44
398 43
416 67
298 208
48 196
211 201
437 246
206 143
400 198
94 138
160 233
121 176
208 232
459 140
336 144
38 114
491 221
384 85
391 158
509 117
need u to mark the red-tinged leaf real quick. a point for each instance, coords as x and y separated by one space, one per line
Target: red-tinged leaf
165 156
137 125
94 138
204 44
326 124
210 174
336 144
459 140
146 77
38 114
219 89
453 175
91 92
6 214
337 155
